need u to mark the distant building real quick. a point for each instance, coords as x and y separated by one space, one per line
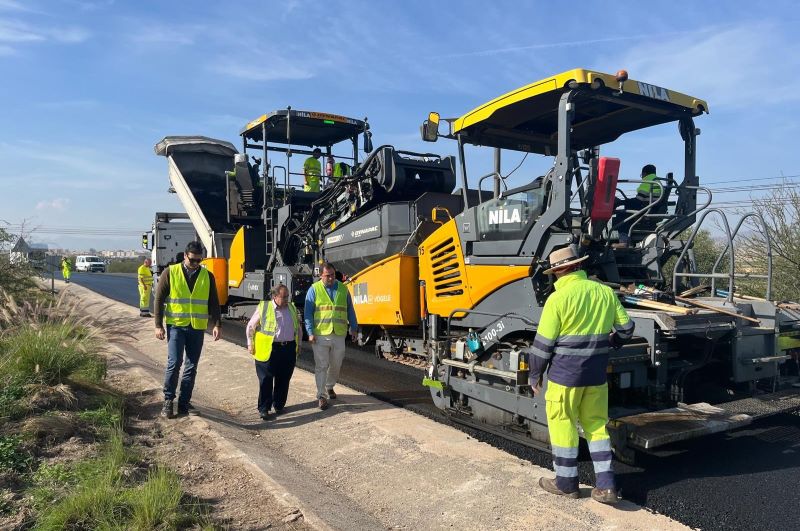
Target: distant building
24 252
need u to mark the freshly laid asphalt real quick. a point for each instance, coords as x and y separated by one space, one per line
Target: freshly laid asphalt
748 479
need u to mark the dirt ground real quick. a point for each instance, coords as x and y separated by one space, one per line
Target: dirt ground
211 470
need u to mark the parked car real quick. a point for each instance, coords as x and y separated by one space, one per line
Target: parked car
88 263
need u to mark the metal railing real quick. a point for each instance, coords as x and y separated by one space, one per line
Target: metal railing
768 275
713 275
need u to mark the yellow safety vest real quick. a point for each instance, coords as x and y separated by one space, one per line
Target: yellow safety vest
312 170
650 183
145 276
265 336
185 308
330 316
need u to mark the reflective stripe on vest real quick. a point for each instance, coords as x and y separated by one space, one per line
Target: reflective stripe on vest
650 183
145 275
330 316
182 307
574 327
265 336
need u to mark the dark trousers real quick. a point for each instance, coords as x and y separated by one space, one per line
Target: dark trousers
182 339
274 375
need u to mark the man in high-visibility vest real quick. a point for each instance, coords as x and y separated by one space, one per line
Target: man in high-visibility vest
145 277
273 339
312 169
580 322
66 269
649 191
327 312
186 299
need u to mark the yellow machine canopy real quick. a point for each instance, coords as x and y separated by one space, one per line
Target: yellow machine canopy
526 119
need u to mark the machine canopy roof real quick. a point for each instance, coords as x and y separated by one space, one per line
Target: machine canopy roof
526 119
306 128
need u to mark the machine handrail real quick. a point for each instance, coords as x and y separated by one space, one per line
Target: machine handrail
697 209
712 275
285 181
768 275
480 183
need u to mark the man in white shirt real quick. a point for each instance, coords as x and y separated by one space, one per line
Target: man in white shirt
274 347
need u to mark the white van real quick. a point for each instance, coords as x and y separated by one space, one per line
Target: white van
91 264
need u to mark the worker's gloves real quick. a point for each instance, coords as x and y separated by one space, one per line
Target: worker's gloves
614 341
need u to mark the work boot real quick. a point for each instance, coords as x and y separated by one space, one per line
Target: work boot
331 394
550 486
607 496
166 411
264 415
323 404
186 409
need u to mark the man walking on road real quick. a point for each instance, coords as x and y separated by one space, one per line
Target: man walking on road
145 276
66 269
186 296
580 321
275 347
328 310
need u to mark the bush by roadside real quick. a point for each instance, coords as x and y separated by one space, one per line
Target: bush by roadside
65 459
123 266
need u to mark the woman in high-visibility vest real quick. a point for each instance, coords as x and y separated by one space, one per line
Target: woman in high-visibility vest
273 339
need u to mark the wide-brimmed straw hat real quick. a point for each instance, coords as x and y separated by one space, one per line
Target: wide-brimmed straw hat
564 257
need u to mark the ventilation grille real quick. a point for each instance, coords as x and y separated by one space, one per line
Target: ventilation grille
446 270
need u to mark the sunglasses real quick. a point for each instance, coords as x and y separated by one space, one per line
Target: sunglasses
194 260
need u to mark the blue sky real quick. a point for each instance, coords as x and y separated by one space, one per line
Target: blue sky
88 87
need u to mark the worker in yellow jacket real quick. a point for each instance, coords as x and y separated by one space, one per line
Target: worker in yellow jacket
312 170
273 339
580 322
145 281
66 269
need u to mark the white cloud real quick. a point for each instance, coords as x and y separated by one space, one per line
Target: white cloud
16 31
59 203
19 32
738 66
71 35
12 5
271 69
149 34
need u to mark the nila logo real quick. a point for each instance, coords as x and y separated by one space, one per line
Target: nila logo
503 215
360 293
652 91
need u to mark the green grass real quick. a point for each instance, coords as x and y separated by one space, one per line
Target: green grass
11 394
124 266
12 455
105 417
50 354
95 494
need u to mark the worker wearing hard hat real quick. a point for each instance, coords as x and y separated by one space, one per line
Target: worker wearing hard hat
145 278
580 322
66 269
312 169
